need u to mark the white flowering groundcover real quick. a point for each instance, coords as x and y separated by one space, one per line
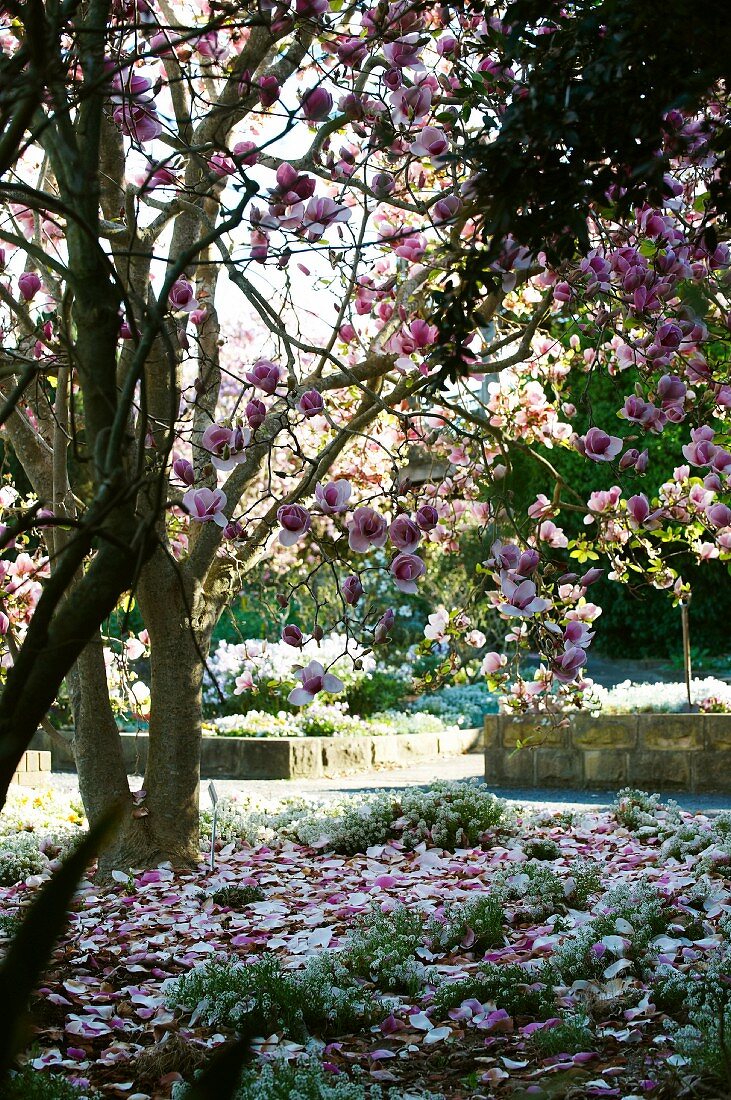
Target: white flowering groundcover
405 944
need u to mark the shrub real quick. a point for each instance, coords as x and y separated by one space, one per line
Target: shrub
706 1040
236 897
635 910
307 1079
669 989
541 848
633 808
463 705
260 995
571 1036
29 1084
375 692
382 948
586 882
20 857
477 924
450 815
508 985
539 889
575 960
350 826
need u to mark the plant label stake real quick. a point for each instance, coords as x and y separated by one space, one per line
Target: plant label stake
213 795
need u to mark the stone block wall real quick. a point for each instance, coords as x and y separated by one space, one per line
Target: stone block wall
658 752
292 757
33 769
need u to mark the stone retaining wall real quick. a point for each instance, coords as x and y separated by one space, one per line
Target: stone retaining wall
294 757
34 768
657 752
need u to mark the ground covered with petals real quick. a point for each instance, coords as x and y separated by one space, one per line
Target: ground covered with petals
406 944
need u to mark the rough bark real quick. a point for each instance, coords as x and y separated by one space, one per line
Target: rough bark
97 747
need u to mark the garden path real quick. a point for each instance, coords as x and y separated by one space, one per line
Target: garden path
419 774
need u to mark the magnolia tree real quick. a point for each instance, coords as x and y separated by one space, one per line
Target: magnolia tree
228 233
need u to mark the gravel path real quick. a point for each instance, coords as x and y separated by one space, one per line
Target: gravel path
470 766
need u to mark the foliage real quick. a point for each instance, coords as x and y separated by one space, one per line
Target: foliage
450 815
29 1084
307 1079
382 948
236 897
261 995
476 924
542 848
462 705
571 1035
19 858
376 692
324 720
509 986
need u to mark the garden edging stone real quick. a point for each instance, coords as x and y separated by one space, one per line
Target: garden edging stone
659 752
292 757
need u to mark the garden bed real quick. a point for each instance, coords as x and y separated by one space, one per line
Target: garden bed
666 752
442 944
293 757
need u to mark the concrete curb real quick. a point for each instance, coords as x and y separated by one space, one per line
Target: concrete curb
657 752
293 757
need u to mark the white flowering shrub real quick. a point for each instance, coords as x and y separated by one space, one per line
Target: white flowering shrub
450 815
706 1040
630 698
253 666
322 720
308 1079
261 995
382 948
463 705
20 857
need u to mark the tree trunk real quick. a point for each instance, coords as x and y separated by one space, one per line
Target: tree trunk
97 747
179 618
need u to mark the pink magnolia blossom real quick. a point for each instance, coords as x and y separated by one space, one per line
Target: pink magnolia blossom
404 53
321 213
183 470
409 105
492 663
311 403
521 599
295 521
367 528
206 504
138 122
569 664
264 375
256 413
317 103
598 446
701 450
427 517
227 445
333 497
719 515
292 635
384 626
352 589
406 570
431 142
404 533
28 284
314 680
181 297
